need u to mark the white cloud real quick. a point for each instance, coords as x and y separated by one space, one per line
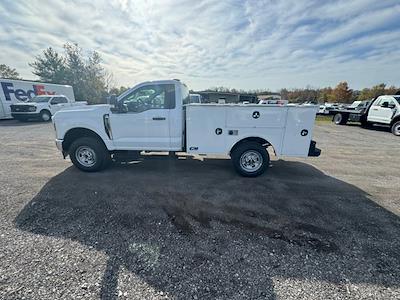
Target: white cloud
243 44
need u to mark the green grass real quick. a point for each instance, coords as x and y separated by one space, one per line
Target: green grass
323 119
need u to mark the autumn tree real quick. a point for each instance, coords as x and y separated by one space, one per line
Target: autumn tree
8 72
342 93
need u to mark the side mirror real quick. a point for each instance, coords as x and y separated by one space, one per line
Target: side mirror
392 105
385 104
112 99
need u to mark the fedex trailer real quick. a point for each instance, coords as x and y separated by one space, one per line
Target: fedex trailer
16 91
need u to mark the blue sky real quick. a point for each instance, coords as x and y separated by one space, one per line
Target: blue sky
242 44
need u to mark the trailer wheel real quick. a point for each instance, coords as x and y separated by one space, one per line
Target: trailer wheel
89 154
45 115
340 119
250 159
396 128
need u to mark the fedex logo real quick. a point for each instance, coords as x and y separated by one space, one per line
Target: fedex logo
20 94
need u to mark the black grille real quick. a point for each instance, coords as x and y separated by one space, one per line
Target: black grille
20 108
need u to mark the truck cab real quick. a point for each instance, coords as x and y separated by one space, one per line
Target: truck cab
154 116
384 109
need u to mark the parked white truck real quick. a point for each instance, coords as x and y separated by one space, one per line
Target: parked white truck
383 110
19 91
152 116
42 107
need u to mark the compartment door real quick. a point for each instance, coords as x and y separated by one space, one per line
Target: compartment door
205 129
299 130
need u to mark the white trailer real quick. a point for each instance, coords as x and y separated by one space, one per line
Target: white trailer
152 117
17 91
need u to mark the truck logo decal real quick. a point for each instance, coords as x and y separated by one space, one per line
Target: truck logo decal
256 114
304 132
21 95
218 131
194 148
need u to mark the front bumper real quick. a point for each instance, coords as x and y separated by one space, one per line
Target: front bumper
25 115
314 151
59 145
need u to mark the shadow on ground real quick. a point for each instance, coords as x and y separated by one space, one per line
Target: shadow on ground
16 123
180 224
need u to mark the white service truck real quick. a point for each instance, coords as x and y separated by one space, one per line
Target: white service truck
42 107
152 116
17 91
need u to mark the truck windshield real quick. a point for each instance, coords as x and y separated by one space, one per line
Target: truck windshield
39 99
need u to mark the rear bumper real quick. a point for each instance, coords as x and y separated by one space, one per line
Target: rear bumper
314 151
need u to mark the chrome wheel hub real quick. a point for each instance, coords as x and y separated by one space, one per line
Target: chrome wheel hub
46 117
251 161
397 129
85 156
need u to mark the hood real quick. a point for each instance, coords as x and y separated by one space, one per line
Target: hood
24 103
73 111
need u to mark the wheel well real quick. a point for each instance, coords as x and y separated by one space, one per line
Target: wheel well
44 109
395 120
261 141
76 133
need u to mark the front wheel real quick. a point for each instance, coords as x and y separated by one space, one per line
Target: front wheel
250 159
89 154
396 128
45 115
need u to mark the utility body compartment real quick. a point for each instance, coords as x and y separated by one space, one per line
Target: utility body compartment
216 128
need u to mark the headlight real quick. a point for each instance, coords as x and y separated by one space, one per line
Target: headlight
32 108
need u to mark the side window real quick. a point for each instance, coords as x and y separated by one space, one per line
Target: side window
57 100
379 101
150 97
185 95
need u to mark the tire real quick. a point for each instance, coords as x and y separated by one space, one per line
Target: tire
45 116
364 122
89 154
396 128
340 119
250 159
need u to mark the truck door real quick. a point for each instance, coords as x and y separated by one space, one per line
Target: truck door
142 120
57 103
381 111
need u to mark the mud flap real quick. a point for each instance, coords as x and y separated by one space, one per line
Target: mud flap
314 151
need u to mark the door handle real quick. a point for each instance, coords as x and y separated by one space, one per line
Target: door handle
158 118
374 109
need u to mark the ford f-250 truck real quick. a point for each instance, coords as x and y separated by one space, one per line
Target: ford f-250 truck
42 107
382 110
154 116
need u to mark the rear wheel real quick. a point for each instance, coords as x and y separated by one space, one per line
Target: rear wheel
340 119
89 154
250 159
396 128
45 115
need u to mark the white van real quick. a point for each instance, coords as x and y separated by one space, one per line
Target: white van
16 91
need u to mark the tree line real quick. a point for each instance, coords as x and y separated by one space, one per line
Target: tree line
340 93
93 83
